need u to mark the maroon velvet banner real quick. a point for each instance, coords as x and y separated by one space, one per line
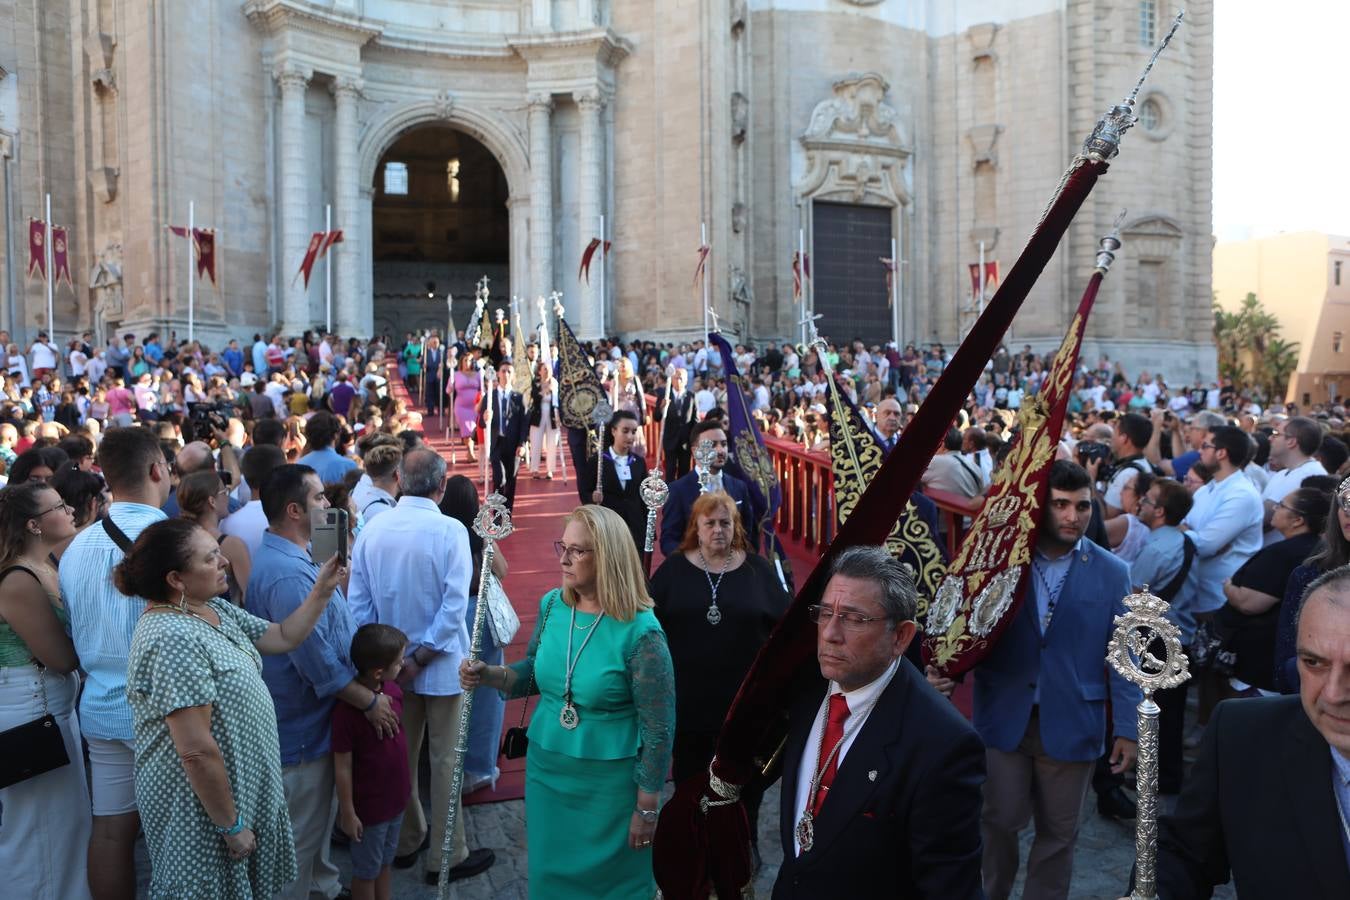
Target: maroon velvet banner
205 244
60 256
37 252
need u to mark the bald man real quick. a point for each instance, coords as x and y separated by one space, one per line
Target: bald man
197 456
1269 797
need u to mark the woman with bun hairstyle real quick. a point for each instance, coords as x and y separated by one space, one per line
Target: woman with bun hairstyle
208 760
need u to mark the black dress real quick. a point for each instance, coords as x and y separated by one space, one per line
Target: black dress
1251 638
624 499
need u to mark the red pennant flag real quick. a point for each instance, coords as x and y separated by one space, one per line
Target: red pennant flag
990 278
890 278
205 242
587 255
60 256
37 253
974 281
178 230
800 272
315 245
331 238
703 252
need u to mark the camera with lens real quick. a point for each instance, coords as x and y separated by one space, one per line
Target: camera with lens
1093 451
207 418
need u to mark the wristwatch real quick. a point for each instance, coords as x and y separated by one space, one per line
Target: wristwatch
649 816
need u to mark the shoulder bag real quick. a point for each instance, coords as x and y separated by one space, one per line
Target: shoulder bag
516 742
35 747
501 615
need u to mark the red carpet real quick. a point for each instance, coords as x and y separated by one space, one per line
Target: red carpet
533 571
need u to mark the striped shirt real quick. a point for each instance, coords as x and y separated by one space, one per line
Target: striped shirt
102 619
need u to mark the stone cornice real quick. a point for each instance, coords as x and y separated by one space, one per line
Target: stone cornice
601 44
273 16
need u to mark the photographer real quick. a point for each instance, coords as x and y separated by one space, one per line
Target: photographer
1132 435
1184 440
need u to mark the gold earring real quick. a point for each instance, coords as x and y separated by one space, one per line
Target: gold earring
182 601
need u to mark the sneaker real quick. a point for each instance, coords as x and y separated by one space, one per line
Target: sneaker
478 862
1116 804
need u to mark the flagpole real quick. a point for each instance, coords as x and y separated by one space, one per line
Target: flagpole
192 281
51 276
979 297
328 269
603 260
801 276
895 295
703 242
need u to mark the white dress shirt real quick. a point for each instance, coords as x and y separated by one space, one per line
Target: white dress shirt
1283 483
248 524
1225 526
411 568
859 708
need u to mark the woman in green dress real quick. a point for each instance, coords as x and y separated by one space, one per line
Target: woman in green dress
601 736
208 762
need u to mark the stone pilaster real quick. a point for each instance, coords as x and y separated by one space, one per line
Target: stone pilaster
541 196
589 192
290 124
349 317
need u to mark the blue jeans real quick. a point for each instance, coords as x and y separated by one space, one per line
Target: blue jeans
485 723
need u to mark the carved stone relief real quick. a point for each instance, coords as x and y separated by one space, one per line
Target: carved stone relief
856 149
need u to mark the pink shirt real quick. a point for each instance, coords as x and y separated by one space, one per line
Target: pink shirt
120 400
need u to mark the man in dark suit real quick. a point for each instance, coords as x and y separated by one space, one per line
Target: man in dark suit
1268 799
881 776
678 414
684 491
503 412
433 372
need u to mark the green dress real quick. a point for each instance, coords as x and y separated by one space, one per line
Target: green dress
581 785
178 661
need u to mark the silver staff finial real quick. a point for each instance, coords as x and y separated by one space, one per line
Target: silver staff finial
705 455
1145 648
1104 142
1110 243
712 313
654 491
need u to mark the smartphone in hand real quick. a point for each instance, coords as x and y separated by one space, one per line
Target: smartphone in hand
328 534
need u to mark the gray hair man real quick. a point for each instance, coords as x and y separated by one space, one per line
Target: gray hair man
411 569
876 759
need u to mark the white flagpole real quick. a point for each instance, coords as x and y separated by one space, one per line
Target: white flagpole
192 281
801 277
604 261
979 296
703 242
51 276
328 269
895 295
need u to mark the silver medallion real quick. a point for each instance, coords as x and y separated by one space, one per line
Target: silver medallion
806 832
714 615
568 718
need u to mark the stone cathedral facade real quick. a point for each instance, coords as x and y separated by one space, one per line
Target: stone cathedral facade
455 139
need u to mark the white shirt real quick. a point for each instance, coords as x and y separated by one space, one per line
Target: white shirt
248 524
859 709
1225 525
44 356
94 369
78 362
715 484
411 569
1283 483
704 401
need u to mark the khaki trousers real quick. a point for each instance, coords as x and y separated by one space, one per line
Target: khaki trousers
312 803
436 718
1018 787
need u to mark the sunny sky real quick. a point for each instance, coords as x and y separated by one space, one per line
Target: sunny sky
1281 117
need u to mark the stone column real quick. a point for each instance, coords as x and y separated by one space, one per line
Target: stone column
347 312
541 199
290 124
590 185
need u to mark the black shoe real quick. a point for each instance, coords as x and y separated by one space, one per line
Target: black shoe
477 862
407 860
344 894
1116 804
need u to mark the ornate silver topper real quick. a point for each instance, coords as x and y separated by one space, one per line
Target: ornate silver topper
704 455
654 491
712 313
1109 245
1139 635
1104 142
600 413
493 522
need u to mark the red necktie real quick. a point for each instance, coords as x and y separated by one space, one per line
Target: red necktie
834 733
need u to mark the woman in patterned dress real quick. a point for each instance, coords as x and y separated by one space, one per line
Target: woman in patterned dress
208 762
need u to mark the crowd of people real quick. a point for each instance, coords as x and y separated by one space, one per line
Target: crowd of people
217 688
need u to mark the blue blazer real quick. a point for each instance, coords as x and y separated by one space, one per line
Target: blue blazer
1068 662
683 493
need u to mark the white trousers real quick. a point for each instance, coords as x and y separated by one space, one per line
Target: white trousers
543 440
44 821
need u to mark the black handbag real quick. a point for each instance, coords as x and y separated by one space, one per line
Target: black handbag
516 742
34 747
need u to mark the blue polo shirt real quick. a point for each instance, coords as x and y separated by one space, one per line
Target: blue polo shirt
303 682
329 465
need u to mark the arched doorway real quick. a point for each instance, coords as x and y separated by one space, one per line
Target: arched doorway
439 223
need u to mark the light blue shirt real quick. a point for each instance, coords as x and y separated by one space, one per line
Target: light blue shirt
103 619
260 357
304 681
328 464
1158 562
1340 783
1225 524
411 569
1047 584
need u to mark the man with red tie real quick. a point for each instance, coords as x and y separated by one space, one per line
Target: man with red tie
882 777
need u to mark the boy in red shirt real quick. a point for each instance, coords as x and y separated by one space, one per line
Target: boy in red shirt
373 783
